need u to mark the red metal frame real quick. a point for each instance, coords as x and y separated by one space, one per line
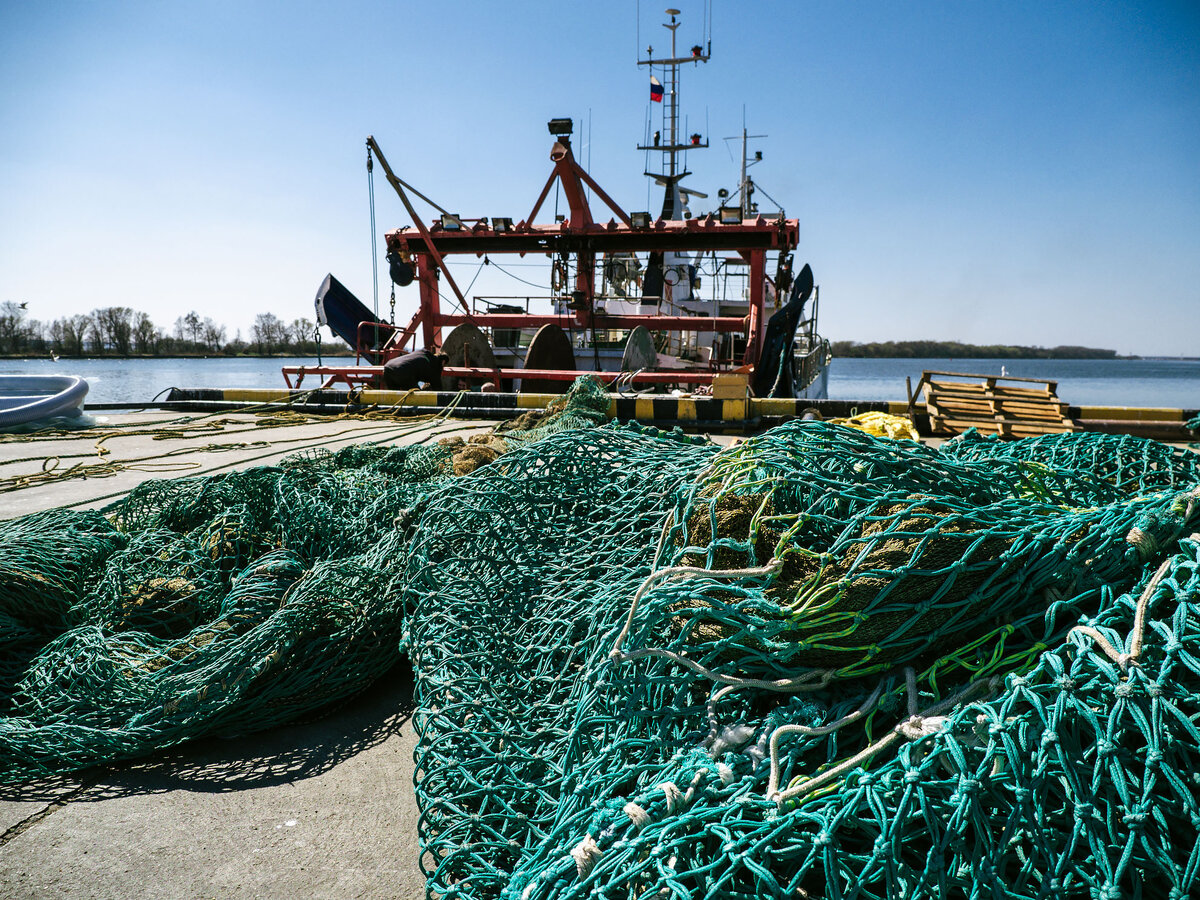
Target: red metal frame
583 238
366 376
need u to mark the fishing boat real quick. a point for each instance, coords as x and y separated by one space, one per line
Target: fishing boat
25 399
691 302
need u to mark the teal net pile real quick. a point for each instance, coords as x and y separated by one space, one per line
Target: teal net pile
801 666
1132 464
215 606
219 605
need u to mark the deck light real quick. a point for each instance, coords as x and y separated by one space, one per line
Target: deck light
501 224
731 215
451 222
640 219
560 128
695 140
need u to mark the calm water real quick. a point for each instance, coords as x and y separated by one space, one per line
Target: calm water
1170 383
140 380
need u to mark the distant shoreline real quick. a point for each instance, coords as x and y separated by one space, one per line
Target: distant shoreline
955 350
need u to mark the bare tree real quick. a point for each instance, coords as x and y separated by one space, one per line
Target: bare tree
55 333
301 331
95 335
145 334
195 328
17 333
33 337
267 333
115 326
68 335
189 327
11 317
214 335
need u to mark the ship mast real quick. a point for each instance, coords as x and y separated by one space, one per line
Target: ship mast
745 183
675 145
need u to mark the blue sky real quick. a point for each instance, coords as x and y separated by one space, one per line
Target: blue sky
987 172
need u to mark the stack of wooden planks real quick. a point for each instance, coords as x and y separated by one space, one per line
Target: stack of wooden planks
994 404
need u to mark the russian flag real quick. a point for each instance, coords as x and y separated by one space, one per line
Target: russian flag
656 90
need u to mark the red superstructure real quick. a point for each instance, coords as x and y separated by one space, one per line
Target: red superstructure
582 241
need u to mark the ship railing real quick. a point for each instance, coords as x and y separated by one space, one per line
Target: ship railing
812 354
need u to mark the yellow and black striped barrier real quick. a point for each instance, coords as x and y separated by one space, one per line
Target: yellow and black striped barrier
652 409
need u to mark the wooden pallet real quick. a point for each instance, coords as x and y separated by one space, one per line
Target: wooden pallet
994 404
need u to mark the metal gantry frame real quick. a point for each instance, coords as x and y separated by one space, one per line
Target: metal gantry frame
579 237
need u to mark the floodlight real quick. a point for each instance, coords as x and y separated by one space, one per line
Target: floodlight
501 224
731 215
640 219
560 127
451 222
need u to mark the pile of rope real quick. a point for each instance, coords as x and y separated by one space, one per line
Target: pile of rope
814 663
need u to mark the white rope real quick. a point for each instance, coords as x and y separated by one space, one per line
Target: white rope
1139 625
1145 542
637 815
811 731
672 793
921 726
585 853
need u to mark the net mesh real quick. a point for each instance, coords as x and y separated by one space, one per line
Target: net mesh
814 663
218 605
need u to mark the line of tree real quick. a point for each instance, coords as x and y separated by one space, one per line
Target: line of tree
955 350
124 332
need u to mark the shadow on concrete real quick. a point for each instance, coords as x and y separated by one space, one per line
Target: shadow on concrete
284 754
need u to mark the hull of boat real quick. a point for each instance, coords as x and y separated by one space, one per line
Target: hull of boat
32 398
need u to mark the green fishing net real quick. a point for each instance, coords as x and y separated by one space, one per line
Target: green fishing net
814 663
219 605
1131 464
642 661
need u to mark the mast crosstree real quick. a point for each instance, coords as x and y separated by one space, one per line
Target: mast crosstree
674 148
